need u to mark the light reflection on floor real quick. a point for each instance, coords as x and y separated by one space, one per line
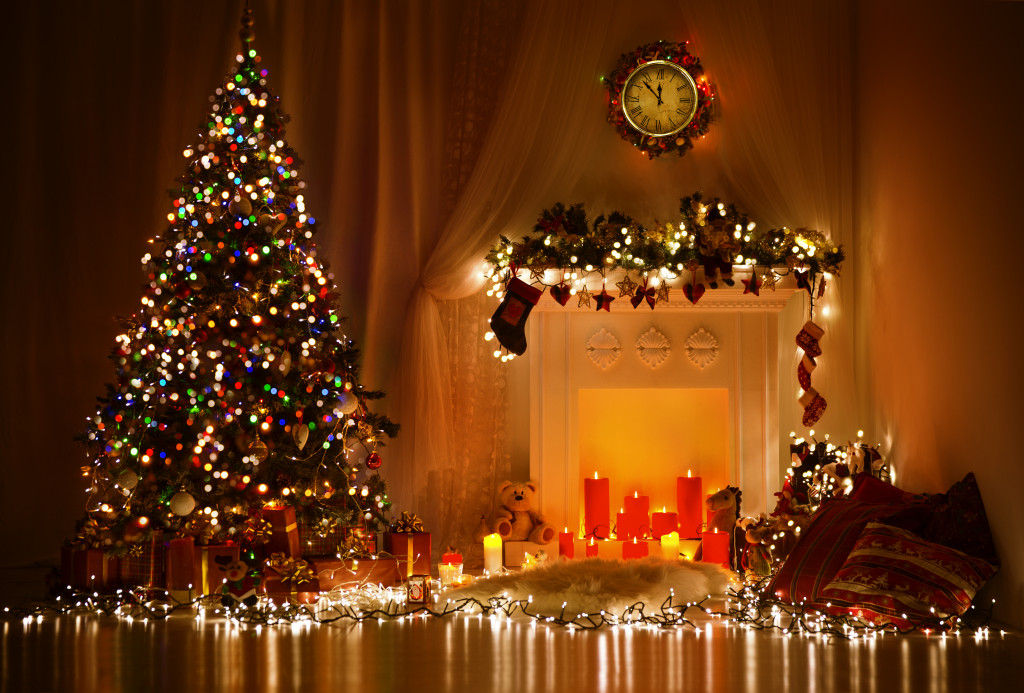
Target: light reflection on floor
472 653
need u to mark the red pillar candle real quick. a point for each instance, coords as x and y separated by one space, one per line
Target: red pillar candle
591 548
634 549
565 544
627 526
596 516
663 523
639 508
715 548
690 505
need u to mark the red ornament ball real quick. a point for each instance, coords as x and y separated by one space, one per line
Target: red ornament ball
374 461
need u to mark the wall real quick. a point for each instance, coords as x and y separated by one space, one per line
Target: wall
939 148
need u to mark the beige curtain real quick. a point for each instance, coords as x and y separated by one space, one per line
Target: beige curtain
427 129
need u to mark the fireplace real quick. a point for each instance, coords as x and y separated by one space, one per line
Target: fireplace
644 396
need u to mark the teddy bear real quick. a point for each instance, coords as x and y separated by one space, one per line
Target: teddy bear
517 519
756 559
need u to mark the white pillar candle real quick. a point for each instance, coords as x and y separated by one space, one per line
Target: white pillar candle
492 553
670 546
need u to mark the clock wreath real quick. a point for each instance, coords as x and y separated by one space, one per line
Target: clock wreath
650 141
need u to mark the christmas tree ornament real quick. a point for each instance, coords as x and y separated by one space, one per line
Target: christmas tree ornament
693 292
300 434
752 285
374 461
768 280
509 321
584 296
240 206
128 480
561 293
662 296
257 451
626 287
604 300
347 403
182 503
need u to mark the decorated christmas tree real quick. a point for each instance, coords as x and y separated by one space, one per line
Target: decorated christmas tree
235 385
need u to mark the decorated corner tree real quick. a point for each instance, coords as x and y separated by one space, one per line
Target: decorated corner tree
235 386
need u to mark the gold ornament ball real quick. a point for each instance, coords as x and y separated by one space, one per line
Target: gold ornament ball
347 403
240 207
182 503
128 480
258 451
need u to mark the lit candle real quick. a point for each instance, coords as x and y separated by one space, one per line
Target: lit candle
715 547
591 548
625 526
634 549
566 549
492 553
664 523
689 504
596 517
638 509
670 546
449 572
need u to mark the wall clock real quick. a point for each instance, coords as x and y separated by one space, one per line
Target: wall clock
659 100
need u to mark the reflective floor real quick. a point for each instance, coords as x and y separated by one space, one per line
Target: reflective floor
470 653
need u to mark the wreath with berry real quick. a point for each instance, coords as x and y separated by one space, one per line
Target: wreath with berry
682 141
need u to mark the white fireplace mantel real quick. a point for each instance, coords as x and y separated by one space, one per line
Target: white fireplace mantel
633 371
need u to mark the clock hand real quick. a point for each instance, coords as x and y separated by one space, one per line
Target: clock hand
648 85
659 95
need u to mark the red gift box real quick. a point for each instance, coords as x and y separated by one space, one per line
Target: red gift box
210 572
291 578
89 568
145 567
412 549
350 573
285 536
317 540
181 565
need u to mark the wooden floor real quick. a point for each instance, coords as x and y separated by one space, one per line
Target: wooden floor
471 653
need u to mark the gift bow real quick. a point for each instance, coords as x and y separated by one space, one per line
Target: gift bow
291 569
258 530
89 533
408 522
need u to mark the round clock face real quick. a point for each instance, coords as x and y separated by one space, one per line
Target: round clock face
659 98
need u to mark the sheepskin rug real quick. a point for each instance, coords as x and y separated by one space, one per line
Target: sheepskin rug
592 585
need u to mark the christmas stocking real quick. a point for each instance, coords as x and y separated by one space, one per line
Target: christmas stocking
509 321
814 406
808 338
803 371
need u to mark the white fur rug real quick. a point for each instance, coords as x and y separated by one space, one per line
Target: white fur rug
592 585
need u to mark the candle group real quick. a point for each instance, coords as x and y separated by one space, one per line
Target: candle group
635 519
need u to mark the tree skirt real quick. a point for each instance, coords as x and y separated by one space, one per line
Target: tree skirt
592 585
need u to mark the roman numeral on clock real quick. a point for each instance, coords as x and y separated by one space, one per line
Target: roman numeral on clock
635 111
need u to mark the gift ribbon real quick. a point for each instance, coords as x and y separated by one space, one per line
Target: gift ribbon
291 570
408 522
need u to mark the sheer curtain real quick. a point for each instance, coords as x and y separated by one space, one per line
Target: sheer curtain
427 130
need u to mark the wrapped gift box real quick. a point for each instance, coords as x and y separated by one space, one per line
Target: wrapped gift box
89 568
290 579
146 567
316 540
285 536
515 551
412 549
210 564
350 573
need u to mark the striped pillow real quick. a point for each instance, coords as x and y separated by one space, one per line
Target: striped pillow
895 576
824 546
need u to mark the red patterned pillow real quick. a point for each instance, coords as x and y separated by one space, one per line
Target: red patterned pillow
895 576
871 490
824 546
958 520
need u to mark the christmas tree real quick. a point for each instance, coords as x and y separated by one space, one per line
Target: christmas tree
235 387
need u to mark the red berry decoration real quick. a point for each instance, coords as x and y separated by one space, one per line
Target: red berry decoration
374 461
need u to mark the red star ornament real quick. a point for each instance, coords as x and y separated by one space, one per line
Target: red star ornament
752 285
604 300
